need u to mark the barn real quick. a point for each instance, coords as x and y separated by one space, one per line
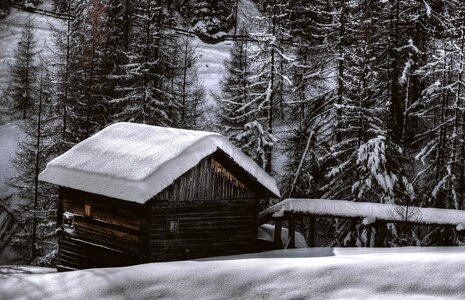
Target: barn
136 193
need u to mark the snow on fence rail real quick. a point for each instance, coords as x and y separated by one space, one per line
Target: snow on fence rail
379 211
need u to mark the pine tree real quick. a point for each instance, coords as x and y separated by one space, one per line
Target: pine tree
311 28
24 70
61 5
241 113
440 111
146 94
411 29
88 100
234 100
209 17
62 54
197 114
119 23
267 89
37 203
366 164
4 8
190 92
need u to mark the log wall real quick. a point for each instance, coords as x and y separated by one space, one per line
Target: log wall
215 206
110 237
216 212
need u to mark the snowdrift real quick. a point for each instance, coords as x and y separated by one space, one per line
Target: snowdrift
316 273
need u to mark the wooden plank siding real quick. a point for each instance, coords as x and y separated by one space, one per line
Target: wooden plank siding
110 237
215 205
216 210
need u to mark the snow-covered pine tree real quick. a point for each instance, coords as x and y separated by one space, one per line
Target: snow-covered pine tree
459 24
177 75
24 70
365 165
440 111
146 94
309 102
61 6
403 36
88 102
62 53
118 24
4 9
35 237
190 92
197 114
235 103
269 58
209 17
410 30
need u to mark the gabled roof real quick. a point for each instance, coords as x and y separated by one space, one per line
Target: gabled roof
135 162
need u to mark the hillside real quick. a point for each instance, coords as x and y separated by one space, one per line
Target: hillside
210 60
10 33
321 273
9 136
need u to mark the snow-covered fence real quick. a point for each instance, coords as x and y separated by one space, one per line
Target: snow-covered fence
380 211
372 214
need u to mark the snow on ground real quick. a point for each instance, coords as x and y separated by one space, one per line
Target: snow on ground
211 57
210 61
9 137
308 273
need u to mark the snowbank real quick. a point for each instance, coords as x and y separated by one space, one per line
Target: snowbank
380 211
316 273
134 162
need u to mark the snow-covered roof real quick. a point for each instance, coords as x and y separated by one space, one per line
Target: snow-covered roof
380 211
134 162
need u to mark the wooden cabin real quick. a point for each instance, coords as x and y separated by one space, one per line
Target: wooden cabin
136 193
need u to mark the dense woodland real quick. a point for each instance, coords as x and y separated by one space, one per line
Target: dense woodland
360 100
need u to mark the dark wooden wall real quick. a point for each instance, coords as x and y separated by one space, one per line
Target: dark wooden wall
111 237
216 211
215 204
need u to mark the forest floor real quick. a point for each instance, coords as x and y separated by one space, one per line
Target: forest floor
316 273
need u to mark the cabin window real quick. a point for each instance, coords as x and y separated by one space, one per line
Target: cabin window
172 226
68 219
87 211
